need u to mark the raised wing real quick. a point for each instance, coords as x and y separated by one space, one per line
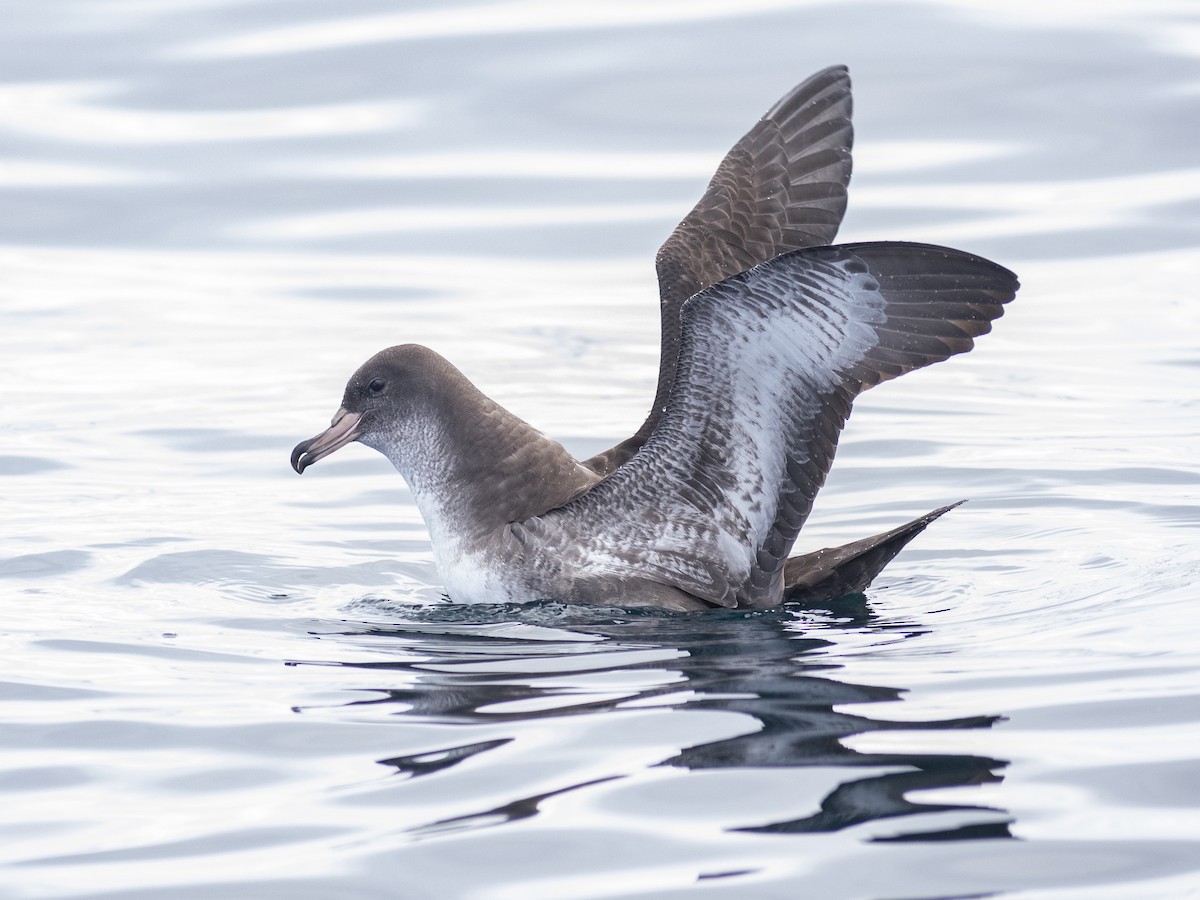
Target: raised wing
781 188
770 362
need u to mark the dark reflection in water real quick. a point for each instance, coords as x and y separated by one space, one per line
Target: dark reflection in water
763 665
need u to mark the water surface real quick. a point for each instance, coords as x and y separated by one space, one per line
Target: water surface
221 679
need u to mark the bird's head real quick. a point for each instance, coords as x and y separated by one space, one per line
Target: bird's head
387 391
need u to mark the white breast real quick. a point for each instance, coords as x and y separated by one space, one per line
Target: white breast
467 570
467 577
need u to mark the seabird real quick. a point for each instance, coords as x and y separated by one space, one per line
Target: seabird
768 335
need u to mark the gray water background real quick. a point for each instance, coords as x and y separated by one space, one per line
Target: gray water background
219 679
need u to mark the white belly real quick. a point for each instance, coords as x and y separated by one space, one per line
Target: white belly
467 579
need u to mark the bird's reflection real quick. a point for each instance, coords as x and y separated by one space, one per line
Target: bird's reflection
469 665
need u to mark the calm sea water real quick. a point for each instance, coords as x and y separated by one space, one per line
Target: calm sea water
219 679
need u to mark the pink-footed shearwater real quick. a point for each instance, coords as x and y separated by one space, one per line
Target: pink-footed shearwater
768 335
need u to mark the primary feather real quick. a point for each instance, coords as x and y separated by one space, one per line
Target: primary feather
782 187
769 364
768 335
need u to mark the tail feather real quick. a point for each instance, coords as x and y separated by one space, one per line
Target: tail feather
837 571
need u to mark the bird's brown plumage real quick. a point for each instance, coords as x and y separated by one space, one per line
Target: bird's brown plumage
768 335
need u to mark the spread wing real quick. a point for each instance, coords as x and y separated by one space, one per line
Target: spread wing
782 187
770 362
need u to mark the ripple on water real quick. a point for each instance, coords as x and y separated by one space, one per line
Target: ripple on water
222 680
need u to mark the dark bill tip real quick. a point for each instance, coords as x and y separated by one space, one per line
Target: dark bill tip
299 463
341 432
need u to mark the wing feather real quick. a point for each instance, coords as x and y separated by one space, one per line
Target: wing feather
781 187
770 362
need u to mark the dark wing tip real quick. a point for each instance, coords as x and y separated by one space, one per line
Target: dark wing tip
830 81
838 571
781 187
938 300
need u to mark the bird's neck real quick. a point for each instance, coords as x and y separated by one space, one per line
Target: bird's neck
474 467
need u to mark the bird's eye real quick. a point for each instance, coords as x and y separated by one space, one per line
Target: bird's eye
377 386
